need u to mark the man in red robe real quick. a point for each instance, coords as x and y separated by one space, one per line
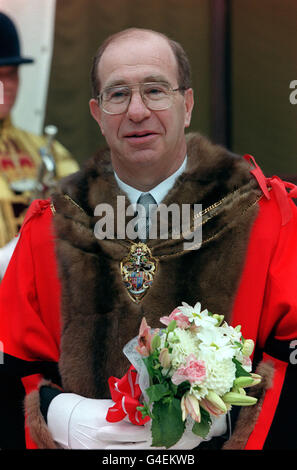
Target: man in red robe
66 310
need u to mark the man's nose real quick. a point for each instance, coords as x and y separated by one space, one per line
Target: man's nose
137 110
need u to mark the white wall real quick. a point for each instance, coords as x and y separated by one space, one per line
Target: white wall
35 21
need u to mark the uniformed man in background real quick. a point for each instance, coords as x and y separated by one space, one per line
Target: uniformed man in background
30 164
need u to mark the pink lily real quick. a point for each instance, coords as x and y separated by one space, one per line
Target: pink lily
145 338
213 404
190 406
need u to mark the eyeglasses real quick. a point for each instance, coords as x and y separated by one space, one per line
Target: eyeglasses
156 96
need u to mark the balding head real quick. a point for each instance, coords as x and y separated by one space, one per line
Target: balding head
183 66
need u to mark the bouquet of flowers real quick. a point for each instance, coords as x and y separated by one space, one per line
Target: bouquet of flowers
194 369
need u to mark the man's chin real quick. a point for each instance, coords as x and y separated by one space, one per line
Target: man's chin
143 157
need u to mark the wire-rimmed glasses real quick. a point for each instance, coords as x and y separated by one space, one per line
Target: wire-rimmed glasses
156 96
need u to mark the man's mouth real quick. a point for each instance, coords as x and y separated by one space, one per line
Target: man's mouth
139 135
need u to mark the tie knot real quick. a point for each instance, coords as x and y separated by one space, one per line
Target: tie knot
145 199
147 202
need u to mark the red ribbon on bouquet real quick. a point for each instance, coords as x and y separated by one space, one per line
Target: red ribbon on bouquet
125 392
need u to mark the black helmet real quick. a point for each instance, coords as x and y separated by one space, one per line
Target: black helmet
10 53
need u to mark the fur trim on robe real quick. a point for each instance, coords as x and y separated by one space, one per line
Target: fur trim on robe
98 316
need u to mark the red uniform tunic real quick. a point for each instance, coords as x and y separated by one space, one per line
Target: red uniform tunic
266 299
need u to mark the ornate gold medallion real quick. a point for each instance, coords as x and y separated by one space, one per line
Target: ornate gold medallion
138 270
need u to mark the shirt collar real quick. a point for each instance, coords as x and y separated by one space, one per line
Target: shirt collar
158 192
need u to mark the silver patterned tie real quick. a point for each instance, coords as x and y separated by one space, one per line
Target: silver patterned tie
148 203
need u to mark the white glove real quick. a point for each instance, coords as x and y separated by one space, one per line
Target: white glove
76 422
140 436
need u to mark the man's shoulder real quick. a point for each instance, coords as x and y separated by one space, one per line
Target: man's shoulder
277 204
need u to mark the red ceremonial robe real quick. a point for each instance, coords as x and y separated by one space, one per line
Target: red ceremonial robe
266 296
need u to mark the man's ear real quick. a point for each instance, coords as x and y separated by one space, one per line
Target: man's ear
96 112
189 103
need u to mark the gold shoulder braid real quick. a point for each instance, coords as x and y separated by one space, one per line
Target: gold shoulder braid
53 209
73 202
210 212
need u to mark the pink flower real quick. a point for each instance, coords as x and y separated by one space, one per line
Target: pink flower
145 338
194 371
182 321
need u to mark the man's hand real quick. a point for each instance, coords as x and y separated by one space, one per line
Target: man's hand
80 423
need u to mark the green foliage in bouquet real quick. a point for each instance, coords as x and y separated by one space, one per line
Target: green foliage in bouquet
197 367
